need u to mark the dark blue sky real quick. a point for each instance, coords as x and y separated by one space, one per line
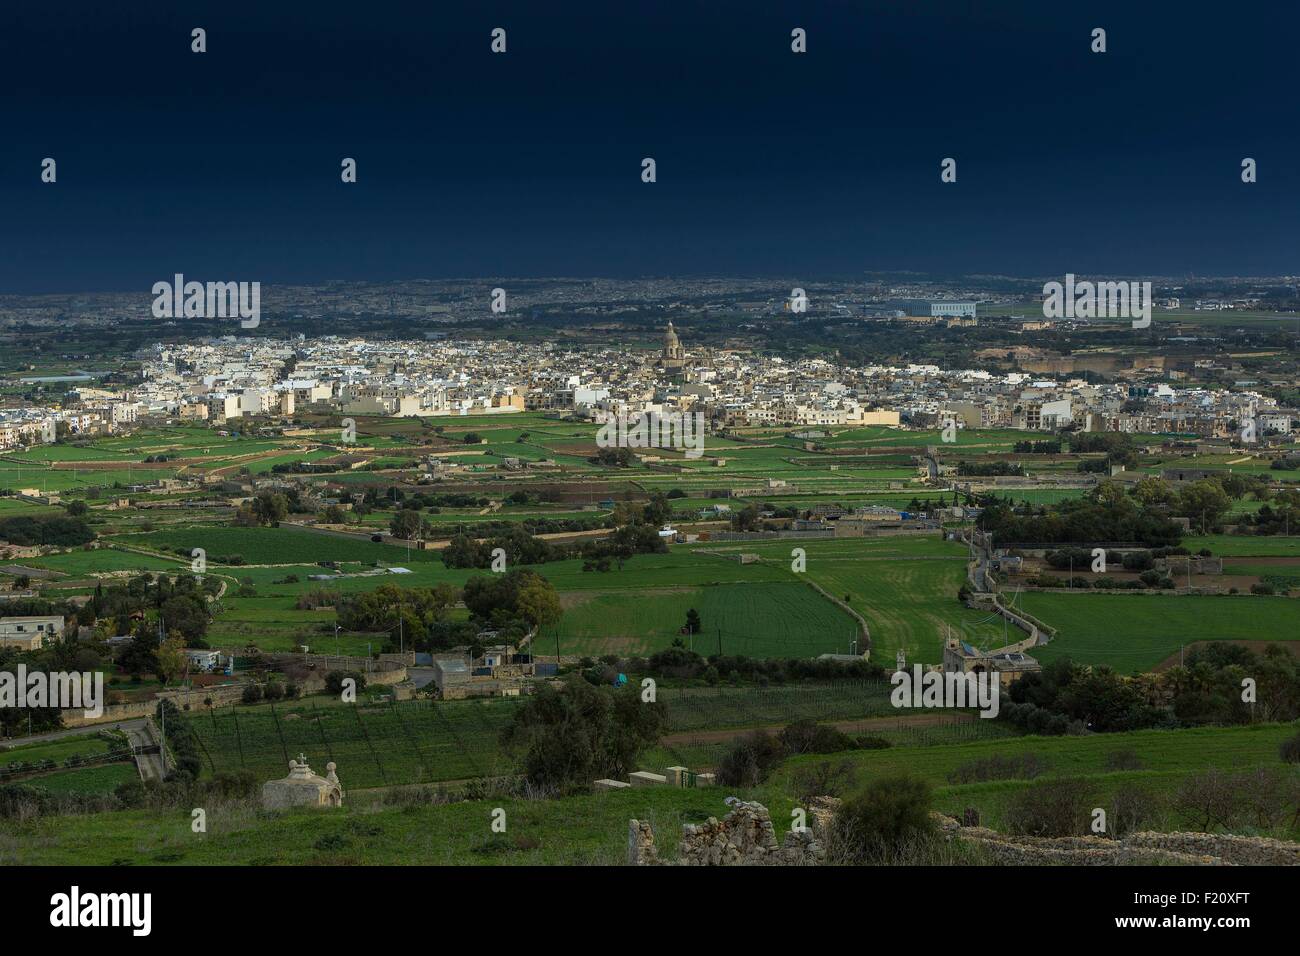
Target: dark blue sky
226 165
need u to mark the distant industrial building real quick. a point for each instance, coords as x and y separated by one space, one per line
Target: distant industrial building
940 309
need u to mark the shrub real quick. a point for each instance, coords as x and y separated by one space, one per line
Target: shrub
1267 796
1209 799
1131 808
1123 760
808 737
234 784
750 761
824 779
1056 808
1290 749
334 680
998 767
1137 561
881 821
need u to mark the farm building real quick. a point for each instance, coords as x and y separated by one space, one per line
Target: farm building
1007 662
29 633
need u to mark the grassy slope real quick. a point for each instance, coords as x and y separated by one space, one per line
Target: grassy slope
593 828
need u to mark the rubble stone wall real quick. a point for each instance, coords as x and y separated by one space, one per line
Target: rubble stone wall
744 837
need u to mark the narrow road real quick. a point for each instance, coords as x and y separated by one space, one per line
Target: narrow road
149 765
136 723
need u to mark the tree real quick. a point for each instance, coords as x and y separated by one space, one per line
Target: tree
1204 501
138 658
746 519
186 615
332 514
692 621
46 529
658 510
1108 493
564 738
406 524
269 507
1153 491
539 604
77 508
171 658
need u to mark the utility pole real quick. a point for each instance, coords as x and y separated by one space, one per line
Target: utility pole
719 641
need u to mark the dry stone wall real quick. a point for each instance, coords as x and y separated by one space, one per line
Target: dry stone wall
1145 848
746 837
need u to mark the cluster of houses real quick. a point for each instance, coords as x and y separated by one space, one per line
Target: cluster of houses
223 379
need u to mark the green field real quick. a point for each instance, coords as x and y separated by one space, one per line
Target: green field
99 778
1225 545
787 619
1134 632
56 750
1165 758
905 587
104 560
